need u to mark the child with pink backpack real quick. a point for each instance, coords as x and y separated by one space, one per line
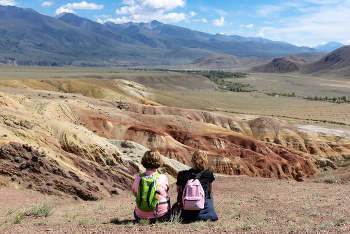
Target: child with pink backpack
195 187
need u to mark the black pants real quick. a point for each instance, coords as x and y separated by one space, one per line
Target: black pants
163 218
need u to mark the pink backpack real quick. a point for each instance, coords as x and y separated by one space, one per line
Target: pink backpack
193 196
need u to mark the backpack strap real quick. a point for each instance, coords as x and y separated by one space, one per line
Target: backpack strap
141 188
155 175
199 175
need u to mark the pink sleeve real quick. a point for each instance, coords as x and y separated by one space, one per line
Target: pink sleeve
135 185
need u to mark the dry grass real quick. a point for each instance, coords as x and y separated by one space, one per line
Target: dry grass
277 207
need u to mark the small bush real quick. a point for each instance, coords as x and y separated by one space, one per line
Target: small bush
115 220
14 178
17 220
39 210
18 159
102 183
114 185
61 96
49 183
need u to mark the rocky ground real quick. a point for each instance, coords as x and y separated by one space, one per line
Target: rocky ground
243 204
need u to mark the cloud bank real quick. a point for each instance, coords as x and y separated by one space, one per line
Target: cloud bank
78 6
147 10
8 2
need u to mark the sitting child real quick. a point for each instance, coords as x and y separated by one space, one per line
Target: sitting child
198 163
151 160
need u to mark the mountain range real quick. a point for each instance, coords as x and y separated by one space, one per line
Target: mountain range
30 38
335 62
329 47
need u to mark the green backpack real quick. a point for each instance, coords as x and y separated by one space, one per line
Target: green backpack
147 198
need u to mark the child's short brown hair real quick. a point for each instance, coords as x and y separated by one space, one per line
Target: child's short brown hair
152 159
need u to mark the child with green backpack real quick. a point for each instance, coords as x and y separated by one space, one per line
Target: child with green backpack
151 190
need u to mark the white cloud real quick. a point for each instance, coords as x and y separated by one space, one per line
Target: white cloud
49 3
62 9
83 6
249 26
147 6
219 22
78 6
201 20
316 23
268 10
8 2
241 26
147 10
260 33
346 42
220 12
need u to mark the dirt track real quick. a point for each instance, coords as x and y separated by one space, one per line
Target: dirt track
243 204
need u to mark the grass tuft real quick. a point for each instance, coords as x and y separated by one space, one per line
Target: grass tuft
39 210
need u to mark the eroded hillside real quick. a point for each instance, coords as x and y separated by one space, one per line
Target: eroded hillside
61 143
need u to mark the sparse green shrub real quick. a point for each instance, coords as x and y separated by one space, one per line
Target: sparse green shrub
115 220
14 178
124 151
39 210
49 183
338 221
114 191
61 96
17 220
114 185
82 182
18 159
94 181
23 165
43 153
102 183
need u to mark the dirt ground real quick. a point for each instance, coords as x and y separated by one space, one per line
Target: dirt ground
243 204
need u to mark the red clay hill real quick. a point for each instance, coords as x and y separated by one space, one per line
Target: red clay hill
281 65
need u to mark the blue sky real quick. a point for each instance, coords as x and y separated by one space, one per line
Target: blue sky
299 22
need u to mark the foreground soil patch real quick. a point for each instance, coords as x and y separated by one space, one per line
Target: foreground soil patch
243 204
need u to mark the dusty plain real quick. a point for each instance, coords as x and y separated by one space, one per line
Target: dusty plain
243 204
